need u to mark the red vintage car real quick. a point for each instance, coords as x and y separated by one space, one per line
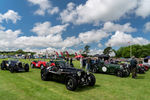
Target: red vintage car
146 68
38 64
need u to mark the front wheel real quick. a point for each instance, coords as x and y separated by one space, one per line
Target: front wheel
71 83
92 80
11 69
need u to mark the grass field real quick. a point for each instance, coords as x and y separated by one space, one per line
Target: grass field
29 86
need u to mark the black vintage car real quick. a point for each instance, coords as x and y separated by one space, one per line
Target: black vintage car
71 76
14 66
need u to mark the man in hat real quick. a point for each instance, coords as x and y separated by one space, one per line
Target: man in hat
133 63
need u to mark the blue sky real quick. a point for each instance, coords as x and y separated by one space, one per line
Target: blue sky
71 24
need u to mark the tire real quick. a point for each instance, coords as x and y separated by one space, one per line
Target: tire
94 70
44 75
11 69
128 74
26 68
119 73
92 80
71 83
2 67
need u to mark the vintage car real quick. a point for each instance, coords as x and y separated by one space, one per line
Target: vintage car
145 67
118 70
4 65
71 76
38 64
14 66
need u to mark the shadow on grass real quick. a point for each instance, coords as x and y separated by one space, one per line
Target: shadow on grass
140 77
86 88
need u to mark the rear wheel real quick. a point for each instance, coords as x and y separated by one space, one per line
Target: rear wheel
26 67
119 73
94 70
71 83
2 67
44 75
92 80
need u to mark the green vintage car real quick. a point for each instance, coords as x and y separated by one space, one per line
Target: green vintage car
118 70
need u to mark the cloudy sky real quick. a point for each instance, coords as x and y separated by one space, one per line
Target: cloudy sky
71 24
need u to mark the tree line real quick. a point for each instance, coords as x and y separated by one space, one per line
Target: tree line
139 51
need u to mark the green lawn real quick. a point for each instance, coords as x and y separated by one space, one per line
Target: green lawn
29 86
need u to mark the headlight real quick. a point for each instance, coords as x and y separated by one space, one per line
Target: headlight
79 73
121 66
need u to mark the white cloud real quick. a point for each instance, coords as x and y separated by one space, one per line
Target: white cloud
111 27
147 27
94 11
53 11
95 51
143 8
99 45
2 28
92 36
45 28
123 39
7 37
10 15
45 6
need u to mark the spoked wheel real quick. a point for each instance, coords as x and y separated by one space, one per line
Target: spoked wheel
26 68
44 75
2 68
94 70
11 69
92 80
71 84
119 73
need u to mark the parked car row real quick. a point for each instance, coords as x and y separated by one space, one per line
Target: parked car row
54 70
59 70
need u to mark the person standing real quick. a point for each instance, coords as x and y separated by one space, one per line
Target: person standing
88 64
133 63
71 64
67 60
81 63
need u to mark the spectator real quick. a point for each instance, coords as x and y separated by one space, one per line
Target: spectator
81 63
133 63
71 64
88 64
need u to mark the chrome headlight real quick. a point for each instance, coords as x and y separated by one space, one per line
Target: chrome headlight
121 66
79 73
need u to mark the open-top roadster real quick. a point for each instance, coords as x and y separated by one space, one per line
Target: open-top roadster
14 66
119 70
71 76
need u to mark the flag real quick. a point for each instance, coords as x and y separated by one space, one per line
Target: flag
61 53
76 54
67 53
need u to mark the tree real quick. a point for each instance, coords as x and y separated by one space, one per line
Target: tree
137 51
86 49
107 50
20 51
